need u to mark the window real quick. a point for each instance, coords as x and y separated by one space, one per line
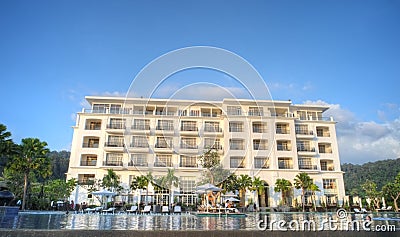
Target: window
163 161
100 108
260 144
188 161
164 142
261 162
93 125
329 183
138 160
90 142
235 126
236 144
302 129
116 123
282 128
234 110
167 125
187 186
285 163
323 132
256 111
283 145
141 124
188 126
259 127
237 162
306 164
115 109
140 141
115 141
324 148
113 159
213 143
212 127
86 179
188 143
304 146
89 160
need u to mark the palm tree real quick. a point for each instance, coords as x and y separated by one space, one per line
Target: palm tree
168 181
259 186
31 158
141 182
111 181
314 188
243 182
283 186
5 140
229 184
302 181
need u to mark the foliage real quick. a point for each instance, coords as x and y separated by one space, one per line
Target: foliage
59 163
243 182
371 192
59 189
31 158
230 184
302 181
111 181
392 190
210 160
259 186
7 146
283 186
380 172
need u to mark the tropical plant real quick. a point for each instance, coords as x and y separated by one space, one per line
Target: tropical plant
209 160
314 188
168 181
111 181
230 184
283 186
142 182
392 190
259 186
371 192
243 182
31 158
302 181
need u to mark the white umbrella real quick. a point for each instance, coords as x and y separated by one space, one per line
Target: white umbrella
232 199
104 193
208 187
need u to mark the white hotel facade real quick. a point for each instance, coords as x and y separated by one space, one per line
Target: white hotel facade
266 139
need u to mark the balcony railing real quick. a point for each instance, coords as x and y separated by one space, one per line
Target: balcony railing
306 149
285 166
282 131
86 181
116 126
212 129
328 168
139 145
93 127
215 147
112 163
189 128
188 165
304 132
165 128
114 144
141 127
90 145
162 145
162 164
141 164
88 163
188 146
308 167
283 148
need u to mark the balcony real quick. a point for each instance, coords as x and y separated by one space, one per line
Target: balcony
116 126
308 167
306 151
162 164
90 145
88 163
282 131
138 164
112 163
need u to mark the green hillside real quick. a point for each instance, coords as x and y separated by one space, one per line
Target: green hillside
381 172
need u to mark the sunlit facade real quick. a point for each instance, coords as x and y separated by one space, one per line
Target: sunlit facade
266 139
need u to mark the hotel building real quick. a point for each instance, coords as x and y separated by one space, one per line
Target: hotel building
263 138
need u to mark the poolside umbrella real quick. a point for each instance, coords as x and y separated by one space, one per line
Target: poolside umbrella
208 187
104 193
232 199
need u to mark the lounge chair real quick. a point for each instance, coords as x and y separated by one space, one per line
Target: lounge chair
165 209
110 210
89 210
133 209
357 211
146 209
389 208
177 209
383 208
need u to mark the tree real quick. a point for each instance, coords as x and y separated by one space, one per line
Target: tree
111 181
168 181
259 185
314 188
229 184
243 182
142 182
59 189
283 186
303 182
371 192
210 160
31 158
7 146
392 190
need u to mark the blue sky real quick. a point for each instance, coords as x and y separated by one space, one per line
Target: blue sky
344 53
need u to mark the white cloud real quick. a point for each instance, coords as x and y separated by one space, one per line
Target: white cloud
363 141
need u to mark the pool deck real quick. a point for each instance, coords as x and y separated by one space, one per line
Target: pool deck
158 233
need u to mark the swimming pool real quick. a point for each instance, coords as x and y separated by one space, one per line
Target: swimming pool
185 221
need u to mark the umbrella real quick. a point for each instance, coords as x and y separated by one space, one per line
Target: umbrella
208 187
229 194
232 199
104 193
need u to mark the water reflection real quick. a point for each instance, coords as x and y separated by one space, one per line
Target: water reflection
57 220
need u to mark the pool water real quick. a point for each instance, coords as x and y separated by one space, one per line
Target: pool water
187 221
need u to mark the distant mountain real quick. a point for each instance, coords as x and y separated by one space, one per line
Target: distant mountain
381 172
